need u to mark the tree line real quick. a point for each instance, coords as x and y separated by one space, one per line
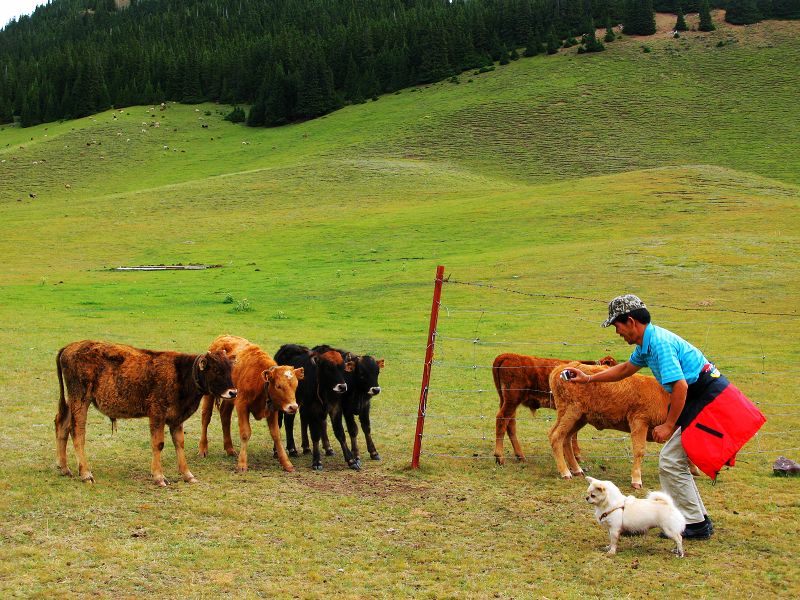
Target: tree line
288 59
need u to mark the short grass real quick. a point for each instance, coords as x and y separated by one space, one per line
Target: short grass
672 174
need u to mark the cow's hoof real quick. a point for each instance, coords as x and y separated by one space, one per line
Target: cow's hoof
288 468
579 473
202 453
519 457
65 471
500 460
231 452
305 451
241 468
293 452
636 485
567 476
355 465
375 456
87 477
329 452
161 482
274 454
191 479
317 467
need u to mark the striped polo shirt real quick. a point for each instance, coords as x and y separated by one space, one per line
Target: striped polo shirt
669 356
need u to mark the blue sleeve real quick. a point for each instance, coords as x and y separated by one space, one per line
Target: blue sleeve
637 358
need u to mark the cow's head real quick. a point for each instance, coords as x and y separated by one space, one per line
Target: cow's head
281 385
608 361
366 372
331 368
213 369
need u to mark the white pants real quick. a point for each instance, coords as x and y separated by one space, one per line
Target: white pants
677 480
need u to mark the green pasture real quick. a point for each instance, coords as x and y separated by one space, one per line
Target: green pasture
559 181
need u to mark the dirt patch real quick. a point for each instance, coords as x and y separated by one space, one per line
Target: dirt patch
364 484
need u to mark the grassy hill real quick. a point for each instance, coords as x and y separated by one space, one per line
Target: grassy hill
673 173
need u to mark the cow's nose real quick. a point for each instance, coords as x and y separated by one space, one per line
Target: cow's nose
340 388
374 391
291 409
231 393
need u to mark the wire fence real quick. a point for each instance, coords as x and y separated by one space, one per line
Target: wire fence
467 338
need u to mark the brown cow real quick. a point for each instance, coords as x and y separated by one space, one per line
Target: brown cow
521 379
124 383
636 404
265 389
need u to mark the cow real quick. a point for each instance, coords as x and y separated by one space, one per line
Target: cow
362 385
636 404
125 383
319 394
521 379
264 390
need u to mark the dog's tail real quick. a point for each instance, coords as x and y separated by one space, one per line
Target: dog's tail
662 497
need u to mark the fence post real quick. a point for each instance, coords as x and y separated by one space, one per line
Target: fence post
426 371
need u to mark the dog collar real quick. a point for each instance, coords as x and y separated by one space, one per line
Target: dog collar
608 512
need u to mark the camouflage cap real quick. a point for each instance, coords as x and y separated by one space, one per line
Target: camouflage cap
622 305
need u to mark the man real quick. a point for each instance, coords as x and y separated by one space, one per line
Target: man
685 373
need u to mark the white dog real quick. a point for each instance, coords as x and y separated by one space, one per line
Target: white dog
628 514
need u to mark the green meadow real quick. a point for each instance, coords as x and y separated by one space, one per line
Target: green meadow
545 187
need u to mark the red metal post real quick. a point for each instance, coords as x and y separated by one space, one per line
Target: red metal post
426 371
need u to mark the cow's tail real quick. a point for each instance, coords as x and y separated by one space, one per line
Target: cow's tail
498 362
63 416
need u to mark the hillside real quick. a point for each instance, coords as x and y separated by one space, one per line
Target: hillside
545 187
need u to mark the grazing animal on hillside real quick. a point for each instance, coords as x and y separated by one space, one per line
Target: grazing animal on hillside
264 390
124 383
636 404
521 379
362 385
319 394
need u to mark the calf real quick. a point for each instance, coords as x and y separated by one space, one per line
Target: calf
636 404
362 385
319 394
264 390
521 379
125 382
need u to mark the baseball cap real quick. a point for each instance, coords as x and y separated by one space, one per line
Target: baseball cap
622 305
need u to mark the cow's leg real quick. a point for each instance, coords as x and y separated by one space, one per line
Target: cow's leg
288 425
558 435
315 430
338 431
638 442
576 449
177 440
245 432
572 460
79 416
207 411
363 418
225 412
63 422
275 432
501 426
352 431
157 445
326 443
304 435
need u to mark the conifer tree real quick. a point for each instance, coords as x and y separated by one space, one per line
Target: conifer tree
680 23
742 12
706 23
639 18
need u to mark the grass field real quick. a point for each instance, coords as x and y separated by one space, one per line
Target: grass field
561 181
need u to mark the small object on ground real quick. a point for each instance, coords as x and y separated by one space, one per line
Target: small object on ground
784 467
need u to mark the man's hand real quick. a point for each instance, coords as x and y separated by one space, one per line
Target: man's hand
576 376
663 432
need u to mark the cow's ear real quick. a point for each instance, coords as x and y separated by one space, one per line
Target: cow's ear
380 363
314 360
350 357
299 373
349 366
267 372
203 362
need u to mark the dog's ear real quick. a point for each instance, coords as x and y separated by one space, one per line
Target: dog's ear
591 480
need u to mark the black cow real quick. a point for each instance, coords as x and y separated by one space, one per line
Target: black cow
318 394
362 385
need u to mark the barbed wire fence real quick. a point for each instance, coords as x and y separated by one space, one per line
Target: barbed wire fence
458 399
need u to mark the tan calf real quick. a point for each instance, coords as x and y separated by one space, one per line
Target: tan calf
264 389
636 404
